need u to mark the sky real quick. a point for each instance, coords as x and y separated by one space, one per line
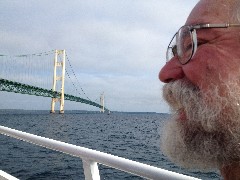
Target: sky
115 46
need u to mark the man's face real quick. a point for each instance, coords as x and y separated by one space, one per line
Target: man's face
204 95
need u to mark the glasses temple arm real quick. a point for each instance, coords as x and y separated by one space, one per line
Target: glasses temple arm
202 26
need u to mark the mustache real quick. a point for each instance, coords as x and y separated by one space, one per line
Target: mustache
202 109
178 94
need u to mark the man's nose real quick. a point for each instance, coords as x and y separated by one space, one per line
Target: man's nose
171 71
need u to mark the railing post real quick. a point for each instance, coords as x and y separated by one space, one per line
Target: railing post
91 171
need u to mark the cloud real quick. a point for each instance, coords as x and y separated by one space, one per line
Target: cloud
114 46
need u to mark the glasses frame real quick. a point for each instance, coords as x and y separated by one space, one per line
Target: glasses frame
192 31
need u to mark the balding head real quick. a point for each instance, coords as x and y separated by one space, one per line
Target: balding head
215 11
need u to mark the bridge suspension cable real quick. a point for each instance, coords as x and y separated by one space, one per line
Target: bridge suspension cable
76 78
32 74
33 69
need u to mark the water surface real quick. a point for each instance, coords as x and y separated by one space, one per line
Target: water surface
130 135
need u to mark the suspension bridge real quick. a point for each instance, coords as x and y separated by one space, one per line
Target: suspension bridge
43 74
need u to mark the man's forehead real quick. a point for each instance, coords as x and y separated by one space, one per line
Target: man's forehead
210 11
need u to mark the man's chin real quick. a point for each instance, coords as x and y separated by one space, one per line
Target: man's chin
176 144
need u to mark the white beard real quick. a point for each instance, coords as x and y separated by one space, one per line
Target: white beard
209 136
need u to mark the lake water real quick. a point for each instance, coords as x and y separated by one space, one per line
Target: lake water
130 135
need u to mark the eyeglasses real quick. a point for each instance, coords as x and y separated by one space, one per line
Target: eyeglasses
184 42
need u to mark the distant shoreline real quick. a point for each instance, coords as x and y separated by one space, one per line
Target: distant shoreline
70 111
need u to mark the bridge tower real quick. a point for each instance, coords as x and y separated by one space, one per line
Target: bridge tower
58 75
102 110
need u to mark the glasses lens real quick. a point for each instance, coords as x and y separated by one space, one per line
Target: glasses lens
184 44
172 49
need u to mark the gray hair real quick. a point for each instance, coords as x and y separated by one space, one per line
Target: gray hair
234 11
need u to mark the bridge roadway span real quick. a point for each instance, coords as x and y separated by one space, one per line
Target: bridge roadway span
16 87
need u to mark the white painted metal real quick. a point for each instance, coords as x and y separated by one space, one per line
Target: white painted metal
92 157
63 78
6 176
58 78
91 171
54 81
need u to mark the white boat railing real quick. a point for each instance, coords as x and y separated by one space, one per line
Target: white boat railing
6 176
90 158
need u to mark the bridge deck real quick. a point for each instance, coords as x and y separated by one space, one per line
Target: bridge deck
16 87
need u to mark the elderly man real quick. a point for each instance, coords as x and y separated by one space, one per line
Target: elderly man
202 77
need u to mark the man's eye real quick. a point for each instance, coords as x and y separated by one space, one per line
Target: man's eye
188 47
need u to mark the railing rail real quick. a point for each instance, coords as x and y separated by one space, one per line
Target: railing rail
91 157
